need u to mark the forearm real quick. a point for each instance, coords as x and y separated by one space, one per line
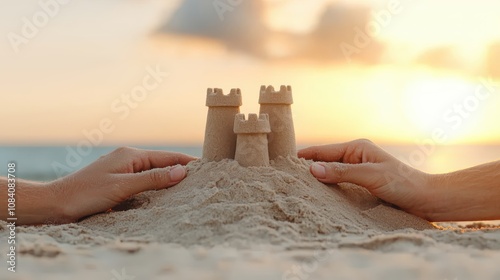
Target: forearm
35 203
467 195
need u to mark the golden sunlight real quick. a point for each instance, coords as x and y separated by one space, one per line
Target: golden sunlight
453 105
427 101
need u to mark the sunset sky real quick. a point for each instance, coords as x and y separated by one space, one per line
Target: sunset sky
435 73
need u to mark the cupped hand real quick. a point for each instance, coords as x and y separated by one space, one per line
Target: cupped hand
363 163
115 177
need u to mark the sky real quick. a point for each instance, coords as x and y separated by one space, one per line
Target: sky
82 74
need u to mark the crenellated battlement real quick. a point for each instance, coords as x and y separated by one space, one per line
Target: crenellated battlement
216 98
255 124
269 96
252 141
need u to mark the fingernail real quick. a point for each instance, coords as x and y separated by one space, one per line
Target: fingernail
177 173
318 170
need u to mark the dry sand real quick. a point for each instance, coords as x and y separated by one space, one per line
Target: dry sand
228 222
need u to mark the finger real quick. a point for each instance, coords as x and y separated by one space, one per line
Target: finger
148 159
365 174
328 153
357 151
154 179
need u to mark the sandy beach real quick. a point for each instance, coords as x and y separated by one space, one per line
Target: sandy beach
404 77
228 222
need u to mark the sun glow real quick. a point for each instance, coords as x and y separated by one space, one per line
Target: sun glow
446 104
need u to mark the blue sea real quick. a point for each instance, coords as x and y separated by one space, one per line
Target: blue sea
44 163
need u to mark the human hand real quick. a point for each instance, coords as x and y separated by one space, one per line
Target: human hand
115 177
363 163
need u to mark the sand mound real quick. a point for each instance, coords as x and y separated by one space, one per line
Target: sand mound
277 222
223 203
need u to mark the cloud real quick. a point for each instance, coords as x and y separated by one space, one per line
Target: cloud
339 25
243 27
240 25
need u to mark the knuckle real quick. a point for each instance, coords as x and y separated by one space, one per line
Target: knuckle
123 153
363 142
123 150
156 178
338 172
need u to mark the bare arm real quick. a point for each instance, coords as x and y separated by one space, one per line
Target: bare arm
96 188
34 202
466 195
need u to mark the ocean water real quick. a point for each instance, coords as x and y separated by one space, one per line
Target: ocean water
50 162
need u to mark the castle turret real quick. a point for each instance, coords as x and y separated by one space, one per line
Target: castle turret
277 104
252 145
220 140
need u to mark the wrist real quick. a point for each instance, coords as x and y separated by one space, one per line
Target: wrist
440 203
425 202
60 212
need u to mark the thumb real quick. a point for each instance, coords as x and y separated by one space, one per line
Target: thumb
363 174
158 178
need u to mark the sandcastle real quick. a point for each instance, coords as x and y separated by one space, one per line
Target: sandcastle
220 140
278 105
251 142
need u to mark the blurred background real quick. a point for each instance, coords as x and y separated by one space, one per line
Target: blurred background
420 78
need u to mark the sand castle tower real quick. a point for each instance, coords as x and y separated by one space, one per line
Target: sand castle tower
252 145
220 140
277 104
